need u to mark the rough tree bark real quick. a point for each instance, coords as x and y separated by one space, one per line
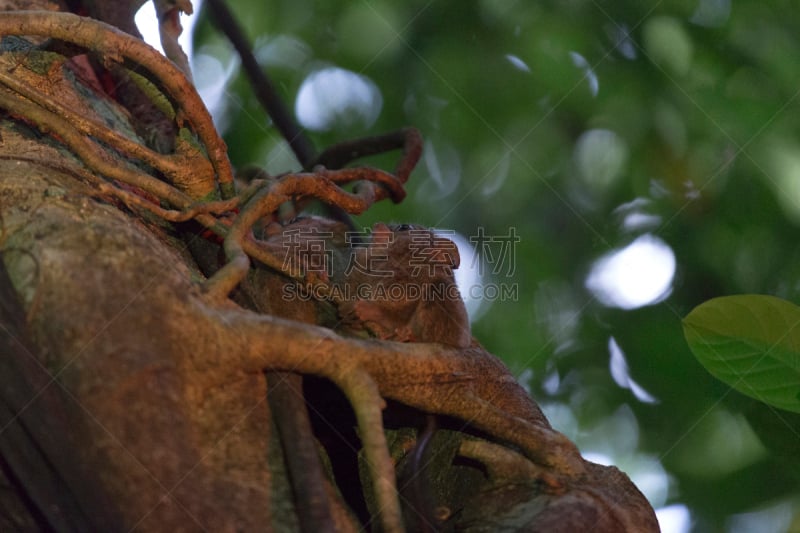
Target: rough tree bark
133 397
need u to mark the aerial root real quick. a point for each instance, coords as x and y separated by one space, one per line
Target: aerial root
114 44
323 185
363 395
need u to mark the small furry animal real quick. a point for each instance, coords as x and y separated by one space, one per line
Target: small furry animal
396 284
404 287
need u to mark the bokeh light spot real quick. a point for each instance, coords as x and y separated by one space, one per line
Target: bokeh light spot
639 274
335 97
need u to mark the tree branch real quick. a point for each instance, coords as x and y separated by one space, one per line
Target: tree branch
262 86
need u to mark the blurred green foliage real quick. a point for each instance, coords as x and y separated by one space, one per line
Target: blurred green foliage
701 100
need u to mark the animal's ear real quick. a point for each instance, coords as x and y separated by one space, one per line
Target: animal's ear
381 234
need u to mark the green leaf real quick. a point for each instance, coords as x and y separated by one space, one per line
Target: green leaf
752 343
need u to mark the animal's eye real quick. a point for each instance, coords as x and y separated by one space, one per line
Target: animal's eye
404 227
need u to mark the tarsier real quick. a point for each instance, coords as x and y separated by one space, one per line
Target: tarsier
399 285
414 297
